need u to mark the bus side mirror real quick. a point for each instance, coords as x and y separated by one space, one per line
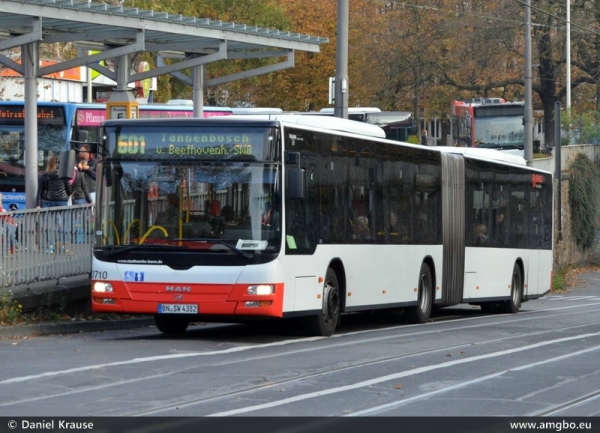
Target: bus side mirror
296 180
66 164
83 135
295 176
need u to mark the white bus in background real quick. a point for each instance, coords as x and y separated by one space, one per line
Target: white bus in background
238 218
352 110
256 110
398 125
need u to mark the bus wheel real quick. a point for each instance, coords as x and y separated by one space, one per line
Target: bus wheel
420 313
513 305
324 324
171 325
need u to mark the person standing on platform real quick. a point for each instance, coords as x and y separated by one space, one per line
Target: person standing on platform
424 140
9 230
81 194
54 191
87 167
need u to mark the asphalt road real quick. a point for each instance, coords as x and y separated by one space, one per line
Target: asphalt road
541 362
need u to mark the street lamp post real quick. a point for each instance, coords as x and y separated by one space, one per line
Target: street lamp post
568 56
527 78
340 108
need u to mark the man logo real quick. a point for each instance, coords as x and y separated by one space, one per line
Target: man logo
178 288
178 297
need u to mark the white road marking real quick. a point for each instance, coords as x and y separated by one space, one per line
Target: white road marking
525 317
402 374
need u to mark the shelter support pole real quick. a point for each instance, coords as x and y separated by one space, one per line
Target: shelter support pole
30 59
198 90
122 104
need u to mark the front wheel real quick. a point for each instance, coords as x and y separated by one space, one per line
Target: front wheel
171 325
324 323
420 313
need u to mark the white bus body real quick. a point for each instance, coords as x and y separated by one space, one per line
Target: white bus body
281 218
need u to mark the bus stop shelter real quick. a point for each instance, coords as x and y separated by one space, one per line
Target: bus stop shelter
117 32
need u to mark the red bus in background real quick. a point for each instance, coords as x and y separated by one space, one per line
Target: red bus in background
491 123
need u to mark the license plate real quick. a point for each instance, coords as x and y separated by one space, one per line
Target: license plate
177 309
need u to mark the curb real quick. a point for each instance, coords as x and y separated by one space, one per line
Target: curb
73 292
23 331
63 292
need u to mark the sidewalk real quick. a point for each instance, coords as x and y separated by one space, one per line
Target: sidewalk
69 292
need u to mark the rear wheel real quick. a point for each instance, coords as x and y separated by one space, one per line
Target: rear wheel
171 325
420 313
513 305
324 324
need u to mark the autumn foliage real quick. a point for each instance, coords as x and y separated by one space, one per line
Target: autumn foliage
415 56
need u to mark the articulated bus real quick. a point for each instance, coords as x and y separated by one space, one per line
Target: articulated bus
491 123
234 219
58 124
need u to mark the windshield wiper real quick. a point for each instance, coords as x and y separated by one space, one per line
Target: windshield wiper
120 250
220 242
126 248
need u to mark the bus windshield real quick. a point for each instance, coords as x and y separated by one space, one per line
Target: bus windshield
506 132
218 197
52 138
190 206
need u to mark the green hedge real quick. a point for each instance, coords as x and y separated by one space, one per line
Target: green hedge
583 198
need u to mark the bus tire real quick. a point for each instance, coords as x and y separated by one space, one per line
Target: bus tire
171 325
420 313
513 305
324 324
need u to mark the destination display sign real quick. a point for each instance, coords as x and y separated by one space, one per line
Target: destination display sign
197 143
46 115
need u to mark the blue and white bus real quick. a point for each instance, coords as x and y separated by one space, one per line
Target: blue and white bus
58 124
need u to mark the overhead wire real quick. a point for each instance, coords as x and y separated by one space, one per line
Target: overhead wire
493 17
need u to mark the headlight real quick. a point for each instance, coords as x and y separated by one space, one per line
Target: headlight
261 289
102 287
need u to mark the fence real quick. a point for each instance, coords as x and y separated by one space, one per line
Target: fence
45 244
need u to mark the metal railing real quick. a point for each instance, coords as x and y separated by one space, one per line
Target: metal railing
45 244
